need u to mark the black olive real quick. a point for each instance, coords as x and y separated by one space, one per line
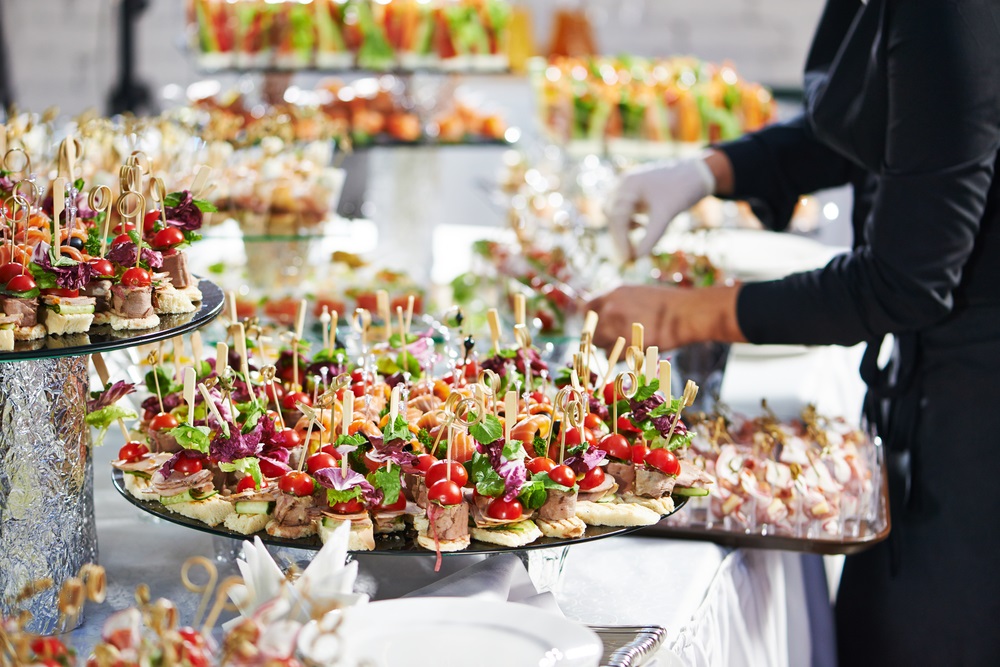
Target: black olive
76 242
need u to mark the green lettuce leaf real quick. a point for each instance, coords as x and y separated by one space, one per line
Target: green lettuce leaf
192 437
389 482
487 431
103 419
249 465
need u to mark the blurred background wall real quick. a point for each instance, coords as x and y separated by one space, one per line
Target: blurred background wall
62 52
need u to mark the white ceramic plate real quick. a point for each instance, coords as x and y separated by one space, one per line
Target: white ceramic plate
760 255
767 351
453 632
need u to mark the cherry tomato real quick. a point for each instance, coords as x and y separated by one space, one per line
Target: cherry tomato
425 461
358 389
592 479
150 222
574 436
503 510
539 397
290 400
121 238
350 507
287 438
665 461
616 446
248 484
439 471
639 453
368 301
269 469
188 465
47 647
133 451
592 421
332 451
371 464
357 375
609 394
297 483
167 238
540 464
9 270
274 390
444 492
60 291
319 461
563 475
103 268
590 436
164 421
625 426
124 229
21 283
191 636
136 277
397 506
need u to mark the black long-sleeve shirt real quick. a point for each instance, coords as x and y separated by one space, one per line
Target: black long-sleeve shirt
903 101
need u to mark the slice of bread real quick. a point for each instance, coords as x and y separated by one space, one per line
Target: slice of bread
102 318
615 514
137 486
119 323
562 528
59 324
512 535
361 538
211 511
6 340
427 541
36 332
246 524
192 292
172 302
275 529
386 524
661 506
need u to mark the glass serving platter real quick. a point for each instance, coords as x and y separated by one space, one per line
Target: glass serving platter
387 545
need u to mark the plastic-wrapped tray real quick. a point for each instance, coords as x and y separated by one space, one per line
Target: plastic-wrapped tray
628 645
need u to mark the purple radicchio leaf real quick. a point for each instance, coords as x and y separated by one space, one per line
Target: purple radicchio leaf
641 409
123 254
110 395
186 215
337 479
75 275
170 401
392 451
238 445
583 463
514 475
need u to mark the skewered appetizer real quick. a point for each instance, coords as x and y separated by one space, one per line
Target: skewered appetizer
488 450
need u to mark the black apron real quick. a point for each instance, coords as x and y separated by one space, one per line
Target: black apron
930 594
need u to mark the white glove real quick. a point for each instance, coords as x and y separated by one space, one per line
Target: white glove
664 189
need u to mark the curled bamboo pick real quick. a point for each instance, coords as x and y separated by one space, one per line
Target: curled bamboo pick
222 603
206 589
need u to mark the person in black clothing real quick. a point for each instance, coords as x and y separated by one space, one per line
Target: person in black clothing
902 101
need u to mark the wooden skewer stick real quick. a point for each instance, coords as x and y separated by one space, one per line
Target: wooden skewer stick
104 376
240 336
221 358
99 201
154 360
196 348
638 333
300 319
652 361
200 180
346 422
394 403
382 303
616 353
334 317
213 408
687 399
231 306
402 327
509 413
590 322
3 139
189 382
493 317
58 206
665 379
520 309
410 302
178 346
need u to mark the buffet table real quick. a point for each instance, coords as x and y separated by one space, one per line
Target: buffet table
719 606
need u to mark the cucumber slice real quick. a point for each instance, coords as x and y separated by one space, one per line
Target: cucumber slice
688 491
186 497
253 507
138 473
